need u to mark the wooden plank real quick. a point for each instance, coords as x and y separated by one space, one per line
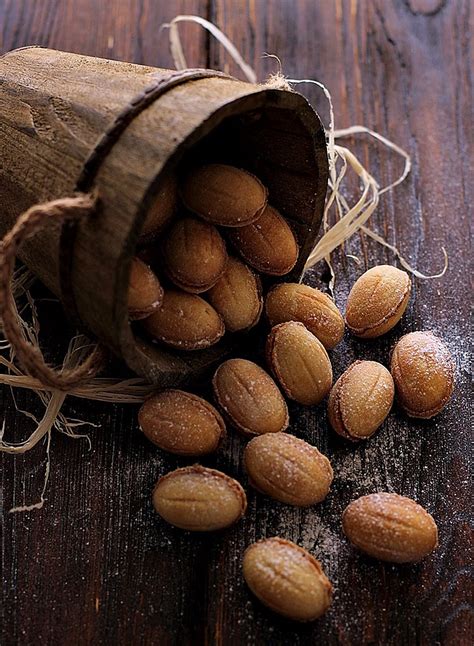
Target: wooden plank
401 70
125 31
96 565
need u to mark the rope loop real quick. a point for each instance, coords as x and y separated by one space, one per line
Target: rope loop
30 357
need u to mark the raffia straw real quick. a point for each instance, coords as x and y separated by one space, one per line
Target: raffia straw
47 470
126 391
111 391
133 390
348 220
177 52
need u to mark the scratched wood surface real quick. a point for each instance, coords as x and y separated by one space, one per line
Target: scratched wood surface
95 565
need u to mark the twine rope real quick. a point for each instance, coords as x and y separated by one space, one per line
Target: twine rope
30 356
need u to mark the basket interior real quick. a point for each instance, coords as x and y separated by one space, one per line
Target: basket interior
285 148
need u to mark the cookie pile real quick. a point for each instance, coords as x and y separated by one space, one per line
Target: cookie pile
209 260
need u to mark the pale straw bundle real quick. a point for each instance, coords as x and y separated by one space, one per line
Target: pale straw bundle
349 219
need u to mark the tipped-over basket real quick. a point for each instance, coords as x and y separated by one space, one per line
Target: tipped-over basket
75 123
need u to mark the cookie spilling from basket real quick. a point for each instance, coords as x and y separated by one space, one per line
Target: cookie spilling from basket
213 250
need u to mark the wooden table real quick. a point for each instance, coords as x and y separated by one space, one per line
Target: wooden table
96 565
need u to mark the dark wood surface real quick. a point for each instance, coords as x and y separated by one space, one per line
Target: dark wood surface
96 565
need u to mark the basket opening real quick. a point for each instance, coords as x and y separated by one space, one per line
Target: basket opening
284 146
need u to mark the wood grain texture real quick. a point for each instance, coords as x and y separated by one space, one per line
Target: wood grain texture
96 566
